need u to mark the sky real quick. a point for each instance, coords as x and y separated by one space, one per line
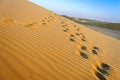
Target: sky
102 10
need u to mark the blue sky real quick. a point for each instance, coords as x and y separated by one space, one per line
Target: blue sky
103 10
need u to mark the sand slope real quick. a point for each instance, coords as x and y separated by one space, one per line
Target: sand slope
36 44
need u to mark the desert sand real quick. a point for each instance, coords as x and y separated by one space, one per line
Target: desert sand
37 44
112 33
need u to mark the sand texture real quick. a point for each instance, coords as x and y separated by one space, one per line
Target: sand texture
37 44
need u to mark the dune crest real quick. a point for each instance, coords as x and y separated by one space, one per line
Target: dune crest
37 44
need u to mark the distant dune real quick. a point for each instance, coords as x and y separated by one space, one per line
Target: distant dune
37 44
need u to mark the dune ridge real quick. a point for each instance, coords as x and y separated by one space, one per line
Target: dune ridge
41 45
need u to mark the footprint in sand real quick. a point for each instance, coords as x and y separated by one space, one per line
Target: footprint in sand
105 66
50 18
83 36
66 30
43 22
84 55
78 29
84 48
100 76
29 25
64 25
95 50
45 18
104 72
77 34
72 35
83 39
81 33
72 39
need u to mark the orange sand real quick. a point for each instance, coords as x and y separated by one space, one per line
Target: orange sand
37 44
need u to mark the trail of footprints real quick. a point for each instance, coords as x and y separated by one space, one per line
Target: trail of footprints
100 71
44 21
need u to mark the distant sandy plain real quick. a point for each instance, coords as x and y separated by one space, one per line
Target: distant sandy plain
112 33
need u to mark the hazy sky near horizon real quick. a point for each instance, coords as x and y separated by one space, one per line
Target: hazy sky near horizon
103 10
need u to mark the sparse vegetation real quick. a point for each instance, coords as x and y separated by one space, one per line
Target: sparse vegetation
113 26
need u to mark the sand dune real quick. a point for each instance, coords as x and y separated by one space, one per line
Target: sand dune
37 44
